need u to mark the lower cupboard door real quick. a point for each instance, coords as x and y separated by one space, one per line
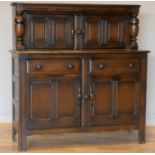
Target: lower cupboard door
53 103
114 103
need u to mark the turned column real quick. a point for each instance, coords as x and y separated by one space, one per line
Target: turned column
19 30
133 31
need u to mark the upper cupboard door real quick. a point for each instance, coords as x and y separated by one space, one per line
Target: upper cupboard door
105 32
49 31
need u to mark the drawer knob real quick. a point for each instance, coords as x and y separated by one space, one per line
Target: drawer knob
38 67
130 65
101 66
70 66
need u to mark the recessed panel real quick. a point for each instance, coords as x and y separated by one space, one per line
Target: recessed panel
40 99
126 99
102 97
60 31
62 27
67 98
39 31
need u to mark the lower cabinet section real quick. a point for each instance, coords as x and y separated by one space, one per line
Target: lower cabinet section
82 92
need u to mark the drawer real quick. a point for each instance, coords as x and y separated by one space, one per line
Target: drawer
114 66
54 66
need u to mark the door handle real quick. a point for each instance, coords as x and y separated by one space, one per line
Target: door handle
91 99
86 96
80 32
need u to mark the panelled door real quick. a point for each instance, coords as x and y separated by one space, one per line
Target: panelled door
45 31
107 95
114 91
104 32
54 93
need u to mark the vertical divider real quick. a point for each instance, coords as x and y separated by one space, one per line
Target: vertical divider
85 96
76 39
78 31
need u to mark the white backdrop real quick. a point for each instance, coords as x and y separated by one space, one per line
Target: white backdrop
146 40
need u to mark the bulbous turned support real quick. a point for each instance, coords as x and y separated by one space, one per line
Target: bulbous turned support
19 30
133 32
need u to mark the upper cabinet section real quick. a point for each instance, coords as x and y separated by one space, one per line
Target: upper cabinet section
63 26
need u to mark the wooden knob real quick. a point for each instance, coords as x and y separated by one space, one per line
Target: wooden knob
130 65
38 67
70 66
101 66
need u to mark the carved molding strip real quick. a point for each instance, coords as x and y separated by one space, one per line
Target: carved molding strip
19 30
133 31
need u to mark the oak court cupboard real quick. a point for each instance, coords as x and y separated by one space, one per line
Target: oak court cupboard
77 68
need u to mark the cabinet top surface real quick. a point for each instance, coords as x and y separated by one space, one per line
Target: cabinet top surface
50 7
108 51
71 4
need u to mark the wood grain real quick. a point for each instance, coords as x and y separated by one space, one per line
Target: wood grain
75 85
53 26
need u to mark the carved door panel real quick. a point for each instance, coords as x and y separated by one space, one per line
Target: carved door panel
62 29
105 32
80 32
114 102
53 103
49 31
100 105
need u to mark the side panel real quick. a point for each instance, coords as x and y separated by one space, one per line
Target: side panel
15 94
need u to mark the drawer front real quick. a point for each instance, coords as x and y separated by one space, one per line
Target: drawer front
114 66
54 66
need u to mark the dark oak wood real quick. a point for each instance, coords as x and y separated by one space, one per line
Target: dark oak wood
56 26
55 66
47 102
49 31
76 68
105 32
